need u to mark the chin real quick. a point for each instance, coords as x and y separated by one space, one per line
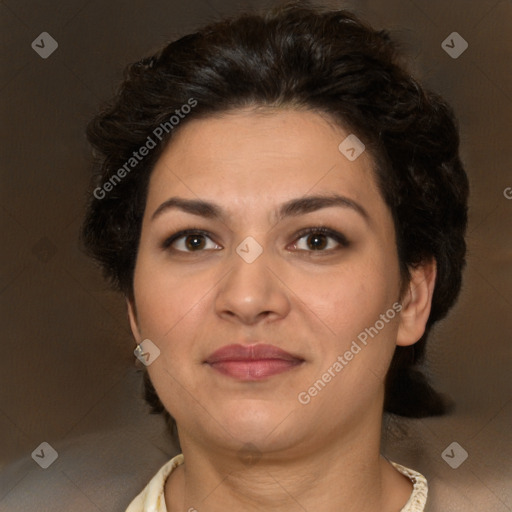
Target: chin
253 421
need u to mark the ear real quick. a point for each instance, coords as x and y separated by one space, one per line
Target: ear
416 303
132 316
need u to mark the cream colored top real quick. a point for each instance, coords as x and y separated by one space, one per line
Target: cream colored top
151 499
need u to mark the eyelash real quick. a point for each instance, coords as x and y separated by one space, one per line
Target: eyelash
335 235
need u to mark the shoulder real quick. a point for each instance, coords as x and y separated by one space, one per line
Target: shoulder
95 467
152 496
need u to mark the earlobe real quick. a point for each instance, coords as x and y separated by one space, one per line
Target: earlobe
132 316
417 303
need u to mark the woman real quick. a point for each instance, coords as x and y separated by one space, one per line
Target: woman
283 207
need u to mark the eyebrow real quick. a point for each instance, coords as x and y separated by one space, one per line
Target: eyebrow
291 208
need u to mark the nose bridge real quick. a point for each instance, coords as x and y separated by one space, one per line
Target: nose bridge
250 287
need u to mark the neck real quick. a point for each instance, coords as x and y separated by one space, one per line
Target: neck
342 473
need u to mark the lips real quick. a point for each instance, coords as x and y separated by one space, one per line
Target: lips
252 362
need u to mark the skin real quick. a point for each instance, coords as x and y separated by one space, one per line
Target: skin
323 456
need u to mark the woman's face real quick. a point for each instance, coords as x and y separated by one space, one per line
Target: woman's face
251 277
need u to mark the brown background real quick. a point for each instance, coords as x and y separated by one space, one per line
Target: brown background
67 368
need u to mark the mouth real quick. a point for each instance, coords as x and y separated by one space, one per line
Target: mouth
252 362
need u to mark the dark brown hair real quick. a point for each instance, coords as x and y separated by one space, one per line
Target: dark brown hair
295 56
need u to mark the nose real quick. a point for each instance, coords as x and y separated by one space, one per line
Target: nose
252 292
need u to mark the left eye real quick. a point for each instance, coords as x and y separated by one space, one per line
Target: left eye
318 236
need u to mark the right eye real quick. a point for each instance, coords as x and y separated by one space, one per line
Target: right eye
187 240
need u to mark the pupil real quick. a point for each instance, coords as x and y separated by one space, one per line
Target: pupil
193 245
316 237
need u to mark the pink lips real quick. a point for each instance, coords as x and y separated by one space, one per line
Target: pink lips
252 362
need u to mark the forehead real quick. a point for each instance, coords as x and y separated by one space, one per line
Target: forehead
255 158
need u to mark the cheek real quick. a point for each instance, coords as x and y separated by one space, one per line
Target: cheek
349 302
174 312
165 299
349 297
